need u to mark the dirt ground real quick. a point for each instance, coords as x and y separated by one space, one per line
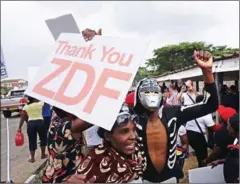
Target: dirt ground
190 163
20 168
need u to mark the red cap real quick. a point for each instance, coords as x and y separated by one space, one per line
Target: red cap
130 99
23 101
226 112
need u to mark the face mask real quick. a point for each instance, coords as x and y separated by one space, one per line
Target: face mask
150 95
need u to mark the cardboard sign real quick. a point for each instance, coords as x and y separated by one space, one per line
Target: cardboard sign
206 175
62 24
89 79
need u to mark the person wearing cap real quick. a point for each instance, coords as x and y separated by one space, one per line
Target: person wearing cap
231 162
118 159
221 137
158 125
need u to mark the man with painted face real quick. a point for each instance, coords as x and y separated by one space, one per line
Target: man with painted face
158 125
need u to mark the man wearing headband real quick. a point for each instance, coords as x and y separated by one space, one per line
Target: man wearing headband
158 125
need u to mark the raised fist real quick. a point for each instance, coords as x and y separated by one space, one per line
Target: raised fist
203 59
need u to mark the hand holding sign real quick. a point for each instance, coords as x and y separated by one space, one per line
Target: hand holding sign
83 77
88 34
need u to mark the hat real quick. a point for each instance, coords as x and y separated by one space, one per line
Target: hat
226 112
130 99
234 122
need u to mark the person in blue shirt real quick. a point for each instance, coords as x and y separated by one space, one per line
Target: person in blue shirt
46 112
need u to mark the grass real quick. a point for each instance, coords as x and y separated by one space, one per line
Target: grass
38 178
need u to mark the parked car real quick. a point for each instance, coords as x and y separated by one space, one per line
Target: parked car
13 102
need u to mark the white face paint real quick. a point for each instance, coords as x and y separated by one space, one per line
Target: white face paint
150 94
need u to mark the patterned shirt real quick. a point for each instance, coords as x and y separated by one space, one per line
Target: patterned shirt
105 165
64 152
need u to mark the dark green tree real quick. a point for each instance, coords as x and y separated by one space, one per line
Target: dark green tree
141 74
174 57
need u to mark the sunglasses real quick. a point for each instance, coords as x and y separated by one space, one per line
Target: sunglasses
125 117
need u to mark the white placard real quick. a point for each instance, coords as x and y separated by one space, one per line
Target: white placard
206 175
89 79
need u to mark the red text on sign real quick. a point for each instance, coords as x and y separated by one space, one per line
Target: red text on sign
113 57
99 89
64 48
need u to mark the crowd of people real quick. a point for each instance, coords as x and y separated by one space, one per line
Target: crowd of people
203 133
149 140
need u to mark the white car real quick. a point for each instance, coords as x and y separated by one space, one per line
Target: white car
14 102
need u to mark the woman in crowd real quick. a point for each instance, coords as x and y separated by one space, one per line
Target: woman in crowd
64 145
32 114
172 99
231 163
118 159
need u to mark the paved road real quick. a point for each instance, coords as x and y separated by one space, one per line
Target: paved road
20 168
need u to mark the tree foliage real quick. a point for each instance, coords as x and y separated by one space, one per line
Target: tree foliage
173 57
141 74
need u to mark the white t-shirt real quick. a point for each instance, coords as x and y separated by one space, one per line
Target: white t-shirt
204 122
92 137
187 100
181 131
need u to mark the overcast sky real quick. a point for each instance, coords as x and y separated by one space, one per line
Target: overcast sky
26 40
